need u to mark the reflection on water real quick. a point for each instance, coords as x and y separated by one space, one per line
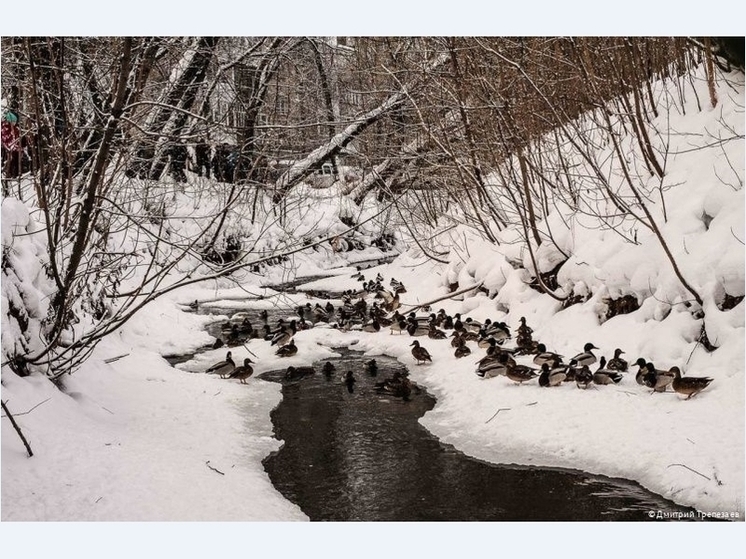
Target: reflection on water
364 456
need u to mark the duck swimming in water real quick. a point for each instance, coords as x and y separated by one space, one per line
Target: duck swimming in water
371 367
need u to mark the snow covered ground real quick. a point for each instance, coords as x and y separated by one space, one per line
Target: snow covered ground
136 439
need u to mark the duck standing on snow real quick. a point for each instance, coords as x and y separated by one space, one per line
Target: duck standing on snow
420 353
583 377
641 371
606 376
585 358
243 372
287 350
520 373
494 364
551 377
657 379
434 333
548 357
616 363
222 368
462 350
689 386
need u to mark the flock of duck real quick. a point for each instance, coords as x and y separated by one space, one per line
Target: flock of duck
499 360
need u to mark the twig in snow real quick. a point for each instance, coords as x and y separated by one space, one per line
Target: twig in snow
690 440
97 500
218 392
532 403
17 428
213 469
117 358
714 474
32 409
735 237
449 296
690 469
498 411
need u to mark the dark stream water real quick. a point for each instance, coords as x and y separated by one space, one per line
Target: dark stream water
364 456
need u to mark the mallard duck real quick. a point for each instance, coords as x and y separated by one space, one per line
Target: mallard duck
434 334
520 373
688 385
194 305
224 367
448 322
553 376
415 329
420 353
462 350
606 376
548 357
497 330
583 377
374 326
218 343
397 385
263 315
371 367
524 329
281 338
245 328
585 358
297 373
388 384
471 325
484 341
467 335
243 372
328 369
287 350
349 380
234 337
616 363
398 326
456 339
493 365
239 317
319 314
397 286
657 379
641 371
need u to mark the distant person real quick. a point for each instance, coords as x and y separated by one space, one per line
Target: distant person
12 149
